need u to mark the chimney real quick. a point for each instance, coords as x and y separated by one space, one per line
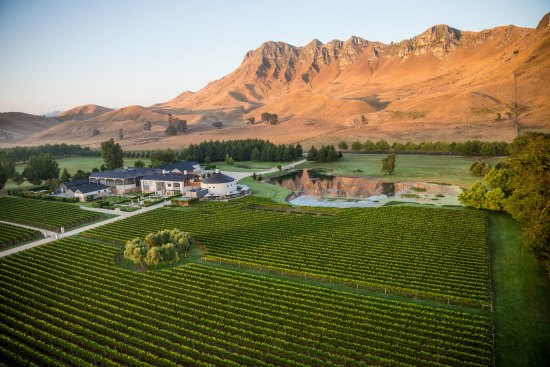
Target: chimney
185 172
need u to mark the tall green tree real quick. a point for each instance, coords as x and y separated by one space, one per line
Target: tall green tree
112 154
41 167
521 187
65 175
3 176
388 164
18 178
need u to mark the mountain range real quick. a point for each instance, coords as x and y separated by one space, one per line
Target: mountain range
444 84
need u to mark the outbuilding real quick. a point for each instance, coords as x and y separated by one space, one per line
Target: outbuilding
219 184
92 191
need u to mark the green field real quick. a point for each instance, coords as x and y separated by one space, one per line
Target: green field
11 235
45 214
438 254
66 304
522 312
453 170
267 191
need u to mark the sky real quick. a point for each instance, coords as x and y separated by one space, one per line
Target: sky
59 54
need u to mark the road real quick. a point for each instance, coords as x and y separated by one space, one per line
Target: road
120 216
240 175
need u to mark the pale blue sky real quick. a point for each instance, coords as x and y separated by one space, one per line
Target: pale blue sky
55 55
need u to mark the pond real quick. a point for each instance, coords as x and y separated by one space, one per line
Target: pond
313 188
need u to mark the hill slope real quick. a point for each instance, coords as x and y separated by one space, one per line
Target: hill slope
442 84
16 126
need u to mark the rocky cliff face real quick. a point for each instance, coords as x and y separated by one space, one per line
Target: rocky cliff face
442 84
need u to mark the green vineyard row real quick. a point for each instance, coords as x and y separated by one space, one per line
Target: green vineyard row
66 303
45 214
11 235
428 253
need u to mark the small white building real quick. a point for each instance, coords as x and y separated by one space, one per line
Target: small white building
92 191
219 184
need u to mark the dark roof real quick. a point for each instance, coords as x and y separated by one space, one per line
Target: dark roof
126 173
168 177
182 166
86 188
217 178
69 184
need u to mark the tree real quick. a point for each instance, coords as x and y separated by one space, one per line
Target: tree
171 131
369 146
136 251
154 256
250 121
139 163
312 154
3 176
229 160
217 124
529 202
356 146
162 157
255 155
147 126
112 154
271 118
17 178
41 167
499 117
388 164
121 133
279 167
170 253
95 132
65 175
254 176
299 151
80 175
343 145
207 160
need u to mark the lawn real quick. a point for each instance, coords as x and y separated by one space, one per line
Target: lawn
453 170
84 163
265 190
522 314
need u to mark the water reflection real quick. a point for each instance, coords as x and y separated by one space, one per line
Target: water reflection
309 182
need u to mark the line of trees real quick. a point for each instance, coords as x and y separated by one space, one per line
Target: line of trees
240 150
520 186
326 153
467 148
22 154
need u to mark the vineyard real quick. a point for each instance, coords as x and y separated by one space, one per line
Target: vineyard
44 214
417 252
65 303
12 235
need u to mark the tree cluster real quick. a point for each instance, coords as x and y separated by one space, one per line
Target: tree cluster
480 168
163 246
468 148
41 167
162 157
175 126
241 150
521 187
326 153
112 155
271 118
